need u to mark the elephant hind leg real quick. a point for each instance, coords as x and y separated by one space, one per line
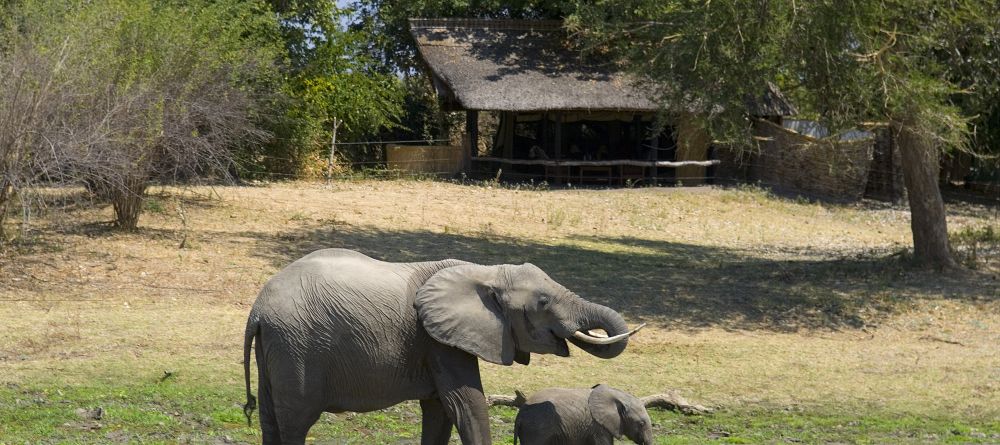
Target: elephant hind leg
268 421
436 426
295 423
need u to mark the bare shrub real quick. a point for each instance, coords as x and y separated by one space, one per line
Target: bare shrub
114 94
177 129
160 99
30 96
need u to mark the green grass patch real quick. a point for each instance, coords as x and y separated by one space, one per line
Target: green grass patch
976 246
756 305
168 413
821 426
153 204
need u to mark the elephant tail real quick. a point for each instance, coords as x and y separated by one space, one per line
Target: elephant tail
517 424
253 328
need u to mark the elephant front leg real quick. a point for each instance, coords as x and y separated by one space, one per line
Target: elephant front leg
436 426
460 391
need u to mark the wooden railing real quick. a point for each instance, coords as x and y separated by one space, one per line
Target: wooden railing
580 163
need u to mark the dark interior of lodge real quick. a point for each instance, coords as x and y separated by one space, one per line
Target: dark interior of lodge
584 136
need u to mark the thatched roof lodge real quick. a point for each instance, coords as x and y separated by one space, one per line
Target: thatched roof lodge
561 116
518 65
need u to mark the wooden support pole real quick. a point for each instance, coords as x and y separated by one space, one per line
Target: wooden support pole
508 134
558 137
561 172
637 134
545 133
472 130
654 155
333 150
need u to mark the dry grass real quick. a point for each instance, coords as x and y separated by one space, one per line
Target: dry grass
753 301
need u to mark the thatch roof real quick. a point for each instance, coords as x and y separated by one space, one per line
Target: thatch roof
519 65
528 65
771 103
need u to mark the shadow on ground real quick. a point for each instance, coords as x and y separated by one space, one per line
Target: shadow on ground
672 284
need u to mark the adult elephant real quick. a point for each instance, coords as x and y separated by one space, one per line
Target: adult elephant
339 331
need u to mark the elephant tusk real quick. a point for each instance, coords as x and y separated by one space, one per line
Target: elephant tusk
597 334
605 340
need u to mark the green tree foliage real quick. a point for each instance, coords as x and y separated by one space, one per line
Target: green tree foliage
329 75
846 61
143 89
705 57
974 66
385 22
117 93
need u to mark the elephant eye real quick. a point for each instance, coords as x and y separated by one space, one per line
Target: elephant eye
543 301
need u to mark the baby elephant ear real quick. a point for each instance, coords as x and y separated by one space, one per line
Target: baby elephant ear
460 307
606 409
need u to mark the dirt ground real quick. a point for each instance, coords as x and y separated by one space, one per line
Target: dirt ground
752 301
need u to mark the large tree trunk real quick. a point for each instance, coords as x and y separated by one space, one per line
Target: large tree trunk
927 216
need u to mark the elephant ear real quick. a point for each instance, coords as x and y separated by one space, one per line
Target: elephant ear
460 307
606 409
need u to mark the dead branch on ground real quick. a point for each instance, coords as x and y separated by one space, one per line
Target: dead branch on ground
674 402
670 401
499 399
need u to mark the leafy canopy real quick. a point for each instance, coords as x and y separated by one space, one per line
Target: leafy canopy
844 61
140 89
328 75
385 22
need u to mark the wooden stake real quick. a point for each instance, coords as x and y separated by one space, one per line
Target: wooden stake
333 150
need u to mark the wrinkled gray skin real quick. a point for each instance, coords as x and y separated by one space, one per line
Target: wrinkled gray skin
595 416
339 331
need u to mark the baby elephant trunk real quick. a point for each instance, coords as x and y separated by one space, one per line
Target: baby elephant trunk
645 437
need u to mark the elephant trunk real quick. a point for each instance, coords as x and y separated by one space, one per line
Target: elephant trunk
595 316
647 435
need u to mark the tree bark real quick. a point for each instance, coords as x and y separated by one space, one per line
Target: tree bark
674 402
6 195
927 215
515 401
127 201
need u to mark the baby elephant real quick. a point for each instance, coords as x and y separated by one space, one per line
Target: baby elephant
593 416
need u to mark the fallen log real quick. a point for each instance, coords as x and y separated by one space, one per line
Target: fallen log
674 402
503 400
670 401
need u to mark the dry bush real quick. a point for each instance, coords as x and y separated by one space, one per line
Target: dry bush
115 94
32 93
161 102
176 131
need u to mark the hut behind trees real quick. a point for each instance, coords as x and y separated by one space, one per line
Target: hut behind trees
561 116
